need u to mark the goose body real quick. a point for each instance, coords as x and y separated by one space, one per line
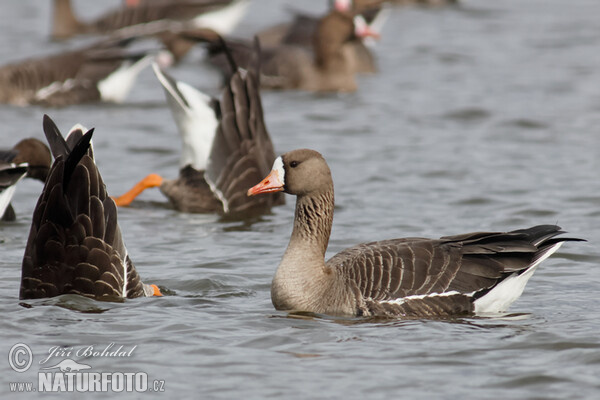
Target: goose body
75 244
101 72
474 273
226 147
301 30
220 15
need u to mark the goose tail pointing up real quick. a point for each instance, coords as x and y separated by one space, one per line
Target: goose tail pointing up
75 244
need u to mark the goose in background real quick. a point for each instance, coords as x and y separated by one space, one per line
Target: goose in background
473 273
104 71
369 19
225 148
10 175
75 244
219 15
29 155
324 67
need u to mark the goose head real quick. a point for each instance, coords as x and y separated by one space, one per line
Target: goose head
299 172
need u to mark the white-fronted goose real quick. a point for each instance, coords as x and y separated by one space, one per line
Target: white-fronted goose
474 273
104 71
75 244
31 154
325 67
220 15
369 18
301 30
226 147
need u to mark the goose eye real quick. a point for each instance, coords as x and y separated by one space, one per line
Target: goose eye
294 164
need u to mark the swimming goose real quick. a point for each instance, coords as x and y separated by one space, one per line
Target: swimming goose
104 71
473 273
368 20
325 67
226 147
31 154
219 15
75 244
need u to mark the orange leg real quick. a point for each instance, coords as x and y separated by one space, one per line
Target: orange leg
150 181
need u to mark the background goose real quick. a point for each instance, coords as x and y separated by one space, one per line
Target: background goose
75 244
324 67
104 71
226 147
369 19
10 175
31 154
220 15
480 272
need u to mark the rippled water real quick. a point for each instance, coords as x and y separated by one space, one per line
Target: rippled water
483 117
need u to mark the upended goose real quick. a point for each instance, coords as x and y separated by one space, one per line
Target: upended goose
28 158
473 273
219 15
75 244
226 148
104 71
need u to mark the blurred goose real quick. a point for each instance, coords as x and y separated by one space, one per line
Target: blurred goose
369 19
425 3
220 15
31 154
101 72
473 273
226 147
75 244
10 175
325 67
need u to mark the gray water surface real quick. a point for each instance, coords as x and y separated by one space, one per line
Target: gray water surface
483 117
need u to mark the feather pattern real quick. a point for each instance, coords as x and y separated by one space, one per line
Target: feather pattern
479 272
75 244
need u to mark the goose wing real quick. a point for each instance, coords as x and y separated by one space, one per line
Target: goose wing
242 151
443 276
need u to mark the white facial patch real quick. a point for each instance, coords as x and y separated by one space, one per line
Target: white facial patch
278 167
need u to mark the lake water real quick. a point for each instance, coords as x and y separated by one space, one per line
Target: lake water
482 117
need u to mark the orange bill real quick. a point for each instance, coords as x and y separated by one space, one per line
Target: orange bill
270 184
156 291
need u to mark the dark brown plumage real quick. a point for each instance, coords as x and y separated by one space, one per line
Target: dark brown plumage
75 244
478 272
